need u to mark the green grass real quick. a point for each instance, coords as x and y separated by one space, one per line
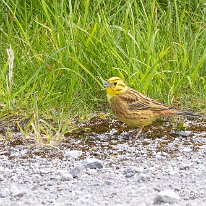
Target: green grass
64 50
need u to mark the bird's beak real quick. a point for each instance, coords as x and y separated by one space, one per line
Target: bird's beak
106 84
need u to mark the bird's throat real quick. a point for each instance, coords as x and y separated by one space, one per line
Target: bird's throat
111 92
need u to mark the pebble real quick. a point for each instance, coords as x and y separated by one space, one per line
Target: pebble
76 171
166 196
109 182
201 167
73 154
184 166
139 169
2 178
2 195
129 172
2 169
91 171
187 149
184 133
93 163
156 188
179 158
66 177
17 192
144 177
44 171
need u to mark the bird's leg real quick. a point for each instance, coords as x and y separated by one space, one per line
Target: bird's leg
138 132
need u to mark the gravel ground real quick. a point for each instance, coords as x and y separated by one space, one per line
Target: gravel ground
107 169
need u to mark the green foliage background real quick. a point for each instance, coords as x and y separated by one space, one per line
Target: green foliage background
64 50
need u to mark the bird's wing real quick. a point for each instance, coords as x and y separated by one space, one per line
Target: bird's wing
138 101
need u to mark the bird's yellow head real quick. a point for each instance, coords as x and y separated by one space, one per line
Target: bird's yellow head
115 86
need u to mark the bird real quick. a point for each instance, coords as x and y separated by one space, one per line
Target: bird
134 108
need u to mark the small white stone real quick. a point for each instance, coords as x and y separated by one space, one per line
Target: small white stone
179 158
139 169
91 160
202 134
66 177
185 133
2 169
16 191
187 149
77 171
184 166
166 196
73 153
144 177
93 163
2 177
200 167
91 171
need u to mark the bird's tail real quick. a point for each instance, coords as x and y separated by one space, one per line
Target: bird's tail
189 114
171 111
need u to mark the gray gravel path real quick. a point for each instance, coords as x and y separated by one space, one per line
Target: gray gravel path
107 170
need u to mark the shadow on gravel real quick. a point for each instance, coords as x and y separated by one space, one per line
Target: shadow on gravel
102 138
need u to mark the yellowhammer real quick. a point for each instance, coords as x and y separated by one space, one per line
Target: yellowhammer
134 108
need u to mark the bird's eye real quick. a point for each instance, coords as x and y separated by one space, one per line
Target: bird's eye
115 83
